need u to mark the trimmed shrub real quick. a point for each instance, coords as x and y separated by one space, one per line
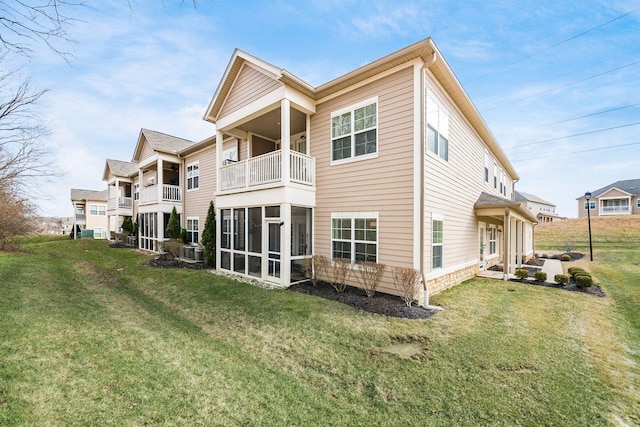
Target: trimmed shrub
540 276
565 257
522 273
584 281
338 271
561 279
172 249
208 240
574 271
314 266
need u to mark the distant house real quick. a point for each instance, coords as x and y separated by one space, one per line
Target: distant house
543 210
619 198
90 212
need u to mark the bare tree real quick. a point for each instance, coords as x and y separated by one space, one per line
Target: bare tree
26 24
23 159
15 219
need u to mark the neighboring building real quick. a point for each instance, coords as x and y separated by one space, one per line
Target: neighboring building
619 198
90 212
543 210
389 163
120 177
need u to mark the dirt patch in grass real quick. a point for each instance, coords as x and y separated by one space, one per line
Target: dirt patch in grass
174 263
387 305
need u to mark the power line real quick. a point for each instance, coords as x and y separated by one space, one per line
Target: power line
555 45
578 151
574 135
589 115
563 86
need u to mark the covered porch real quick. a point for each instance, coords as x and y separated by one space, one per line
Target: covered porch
516 223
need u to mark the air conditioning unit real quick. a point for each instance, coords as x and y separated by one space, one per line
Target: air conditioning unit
151 181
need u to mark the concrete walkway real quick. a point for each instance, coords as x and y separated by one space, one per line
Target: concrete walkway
552 267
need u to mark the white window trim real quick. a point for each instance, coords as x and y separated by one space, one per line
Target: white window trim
193 218
353 157
591 203
197 163
638 202
437 217
354 216
97 234
98 206
440 129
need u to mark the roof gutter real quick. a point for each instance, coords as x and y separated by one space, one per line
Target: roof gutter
425 66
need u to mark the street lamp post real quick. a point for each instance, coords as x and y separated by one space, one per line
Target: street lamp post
587 196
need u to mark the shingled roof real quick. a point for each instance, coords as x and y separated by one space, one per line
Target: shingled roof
165 143
120 168
521 197
631 186
79 194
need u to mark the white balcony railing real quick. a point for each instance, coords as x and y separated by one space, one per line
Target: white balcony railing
120 202
615 209
267 169
170 193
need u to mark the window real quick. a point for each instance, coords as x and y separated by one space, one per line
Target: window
355 237
100 210
437 236
486 167
592 205
354 132
97 233
136 192
639 202
492 240
193 176
192 230
437 128
495 175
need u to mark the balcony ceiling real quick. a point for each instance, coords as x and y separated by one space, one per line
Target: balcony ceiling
268 125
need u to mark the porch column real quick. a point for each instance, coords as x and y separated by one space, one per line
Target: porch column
506 268
219 220
219 149
285 140
519 242
159 179
285 236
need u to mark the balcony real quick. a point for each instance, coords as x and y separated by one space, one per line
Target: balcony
120 203
615 210
170 194
266 170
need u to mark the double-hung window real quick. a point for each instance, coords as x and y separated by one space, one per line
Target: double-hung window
192 230
193 176
486 167
638 203
437 128
136 191
592 205
354 132
495 175
492 240
100 210
437 239
355 237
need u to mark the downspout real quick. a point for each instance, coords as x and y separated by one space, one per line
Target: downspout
425 66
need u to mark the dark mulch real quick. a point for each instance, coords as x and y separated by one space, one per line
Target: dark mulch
120 246
174 263
594 290
385 304
574 256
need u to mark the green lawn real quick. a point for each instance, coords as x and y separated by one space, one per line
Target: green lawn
90 336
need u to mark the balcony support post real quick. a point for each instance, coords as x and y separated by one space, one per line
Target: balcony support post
285 139
219 149
159 180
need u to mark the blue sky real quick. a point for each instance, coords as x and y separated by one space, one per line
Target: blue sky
543 74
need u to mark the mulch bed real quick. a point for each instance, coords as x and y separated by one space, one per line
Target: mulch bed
594 290
385 304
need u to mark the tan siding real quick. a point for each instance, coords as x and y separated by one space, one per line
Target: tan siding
383 184
196 202
614 193
453 187
250 85
147 151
